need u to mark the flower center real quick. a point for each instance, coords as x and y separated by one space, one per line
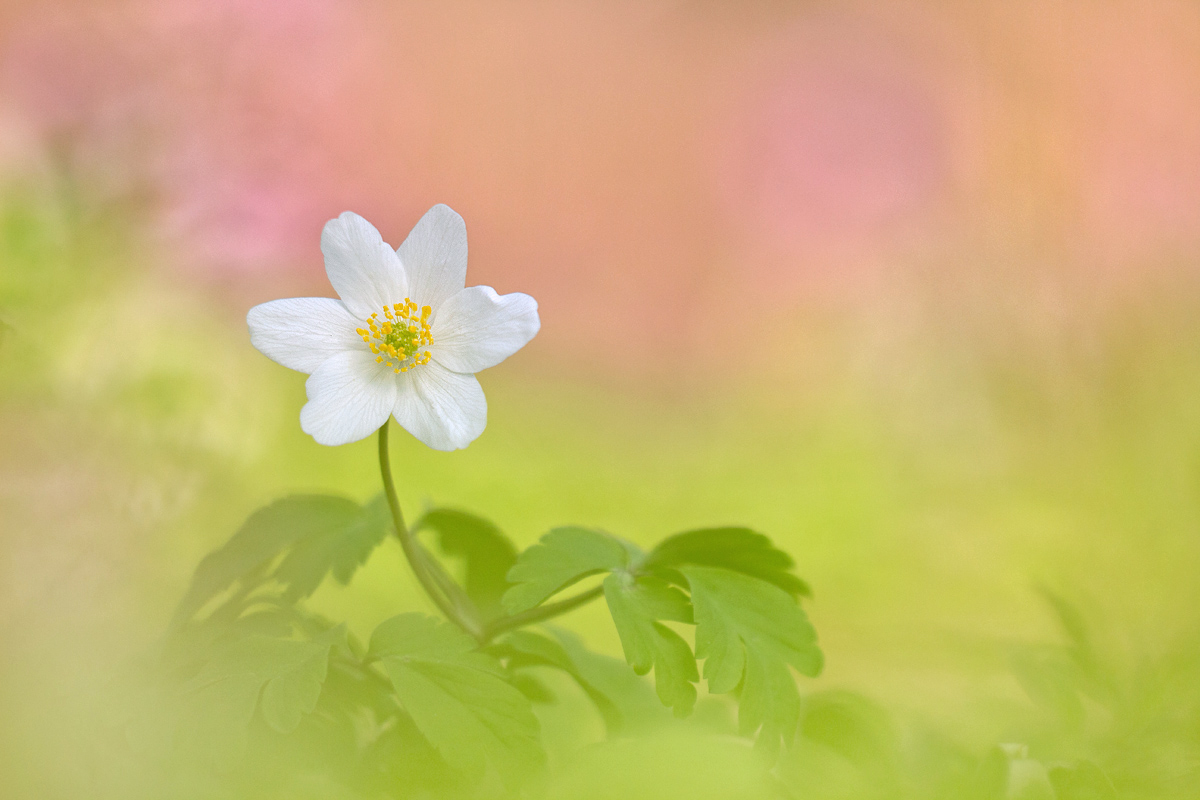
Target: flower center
397 337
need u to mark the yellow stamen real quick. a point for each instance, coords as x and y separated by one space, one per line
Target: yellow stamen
399 337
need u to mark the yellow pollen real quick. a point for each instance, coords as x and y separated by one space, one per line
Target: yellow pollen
400 336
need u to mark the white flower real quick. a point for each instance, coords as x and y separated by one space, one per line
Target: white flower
404 339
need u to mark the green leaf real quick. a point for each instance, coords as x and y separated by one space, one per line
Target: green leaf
625 701
526 648
290 694
563 556
636 606
749 631
281 677
531 687
738 549
400 756
318 533
458 697
340 549
1092 675
634 698
487 552
852 726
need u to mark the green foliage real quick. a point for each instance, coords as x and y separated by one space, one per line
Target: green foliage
339 549
487 553
429 710
283 676
294 542
846 747
738 549
850 725
749 631
750 604
458 697
432 707
637 605
625 702
1064 679
563 557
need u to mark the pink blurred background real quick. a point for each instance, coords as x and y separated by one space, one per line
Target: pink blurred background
672 180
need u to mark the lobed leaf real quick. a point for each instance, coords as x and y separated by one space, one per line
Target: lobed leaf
337 549
737 549
488 554
458 697
637 605
400 756
280 677
624 700
561 558
634 698
318 533
749 631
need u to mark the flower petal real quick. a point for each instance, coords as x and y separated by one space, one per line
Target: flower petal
363 269
435 256
477 328
349 397
301 333
445 410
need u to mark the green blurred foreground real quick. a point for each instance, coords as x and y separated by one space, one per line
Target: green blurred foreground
998 519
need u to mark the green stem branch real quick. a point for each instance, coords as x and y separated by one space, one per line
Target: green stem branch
539 614
418 560
441 588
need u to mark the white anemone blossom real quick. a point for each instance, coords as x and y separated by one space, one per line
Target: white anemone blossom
405 338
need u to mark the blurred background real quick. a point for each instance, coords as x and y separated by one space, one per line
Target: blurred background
912 287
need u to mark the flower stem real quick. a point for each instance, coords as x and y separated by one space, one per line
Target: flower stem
428 574
534 615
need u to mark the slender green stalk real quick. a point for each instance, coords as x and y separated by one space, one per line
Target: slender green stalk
447 595
539 614
418 560
456 594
